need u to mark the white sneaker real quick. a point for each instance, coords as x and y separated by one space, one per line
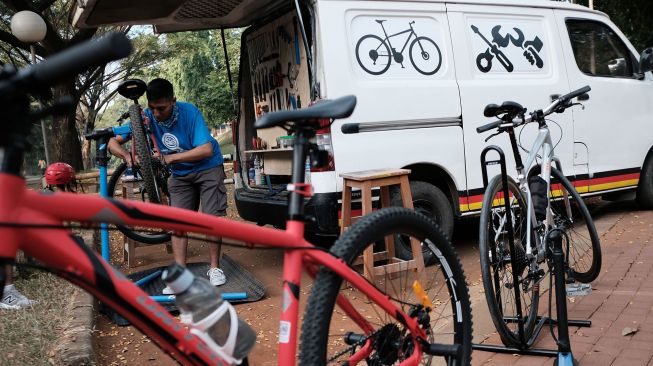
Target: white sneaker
216 277
13 299
167 291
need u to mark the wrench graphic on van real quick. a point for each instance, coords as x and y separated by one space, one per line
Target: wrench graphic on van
484 60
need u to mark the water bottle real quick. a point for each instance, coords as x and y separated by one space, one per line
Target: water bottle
213 320
257 170
307 170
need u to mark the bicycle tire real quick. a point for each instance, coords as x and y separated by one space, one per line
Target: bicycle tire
139 138
496 270
450 320
371 55
142 236
582 269
412 61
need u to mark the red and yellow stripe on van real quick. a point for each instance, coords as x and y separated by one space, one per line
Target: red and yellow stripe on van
599 183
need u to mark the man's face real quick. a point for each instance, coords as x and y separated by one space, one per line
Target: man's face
161 108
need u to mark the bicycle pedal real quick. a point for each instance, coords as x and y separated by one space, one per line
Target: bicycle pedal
579 289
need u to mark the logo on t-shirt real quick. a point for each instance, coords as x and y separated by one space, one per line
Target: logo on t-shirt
170 141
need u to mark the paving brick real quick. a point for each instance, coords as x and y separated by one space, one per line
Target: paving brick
597 359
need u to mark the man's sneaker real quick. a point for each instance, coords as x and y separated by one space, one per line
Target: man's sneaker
167 291
216 277
13 299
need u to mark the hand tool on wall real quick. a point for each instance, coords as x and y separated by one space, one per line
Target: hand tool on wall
297 54
484 60
278 98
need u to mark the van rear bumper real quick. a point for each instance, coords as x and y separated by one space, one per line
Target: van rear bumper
261 207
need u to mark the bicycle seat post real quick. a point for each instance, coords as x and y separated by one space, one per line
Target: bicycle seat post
301 147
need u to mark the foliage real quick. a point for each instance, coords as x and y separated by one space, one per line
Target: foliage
197 68
631 16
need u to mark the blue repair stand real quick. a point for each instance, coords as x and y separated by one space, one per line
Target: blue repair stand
101 138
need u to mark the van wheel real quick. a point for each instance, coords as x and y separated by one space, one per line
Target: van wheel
432 202
645 186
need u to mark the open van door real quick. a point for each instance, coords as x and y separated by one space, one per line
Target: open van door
173 15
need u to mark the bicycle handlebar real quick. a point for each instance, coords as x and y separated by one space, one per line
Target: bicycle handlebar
489 126
76 59
560 102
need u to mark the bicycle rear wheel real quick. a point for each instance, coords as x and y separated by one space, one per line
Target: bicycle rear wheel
140 141
581 241
497 266
135 182
330 335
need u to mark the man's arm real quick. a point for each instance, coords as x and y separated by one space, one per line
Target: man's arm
115 148
195 154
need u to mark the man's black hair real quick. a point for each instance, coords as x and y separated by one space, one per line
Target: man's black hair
159 89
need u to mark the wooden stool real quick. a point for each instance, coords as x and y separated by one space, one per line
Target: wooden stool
130 190
383 178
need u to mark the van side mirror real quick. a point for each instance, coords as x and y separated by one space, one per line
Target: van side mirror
646 61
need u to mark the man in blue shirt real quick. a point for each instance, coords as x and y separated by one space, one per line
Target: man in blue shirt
194 159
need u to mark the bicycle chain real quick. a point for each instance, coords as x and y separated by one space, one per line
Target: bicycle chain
351 348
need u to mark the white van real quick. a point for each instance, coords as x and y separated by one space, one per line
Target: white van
423 71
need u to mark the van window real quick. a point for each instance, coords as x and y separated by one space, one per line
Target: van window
598 49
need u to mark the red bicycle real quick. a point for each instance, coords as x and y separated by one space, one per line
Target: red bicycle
394 320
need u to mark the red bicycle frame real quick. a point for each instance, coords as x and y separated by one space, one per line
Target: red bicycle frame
32 221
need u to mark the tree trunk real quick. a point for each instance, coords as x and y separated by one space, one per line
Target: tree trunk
64 144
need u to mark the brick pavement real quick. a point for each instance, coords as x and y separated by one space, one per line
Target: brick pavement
622 297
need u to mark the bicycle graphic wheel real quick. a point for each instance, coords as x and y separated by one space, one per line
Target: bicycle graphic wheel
426 57
333 334
373 54
135 183
497 263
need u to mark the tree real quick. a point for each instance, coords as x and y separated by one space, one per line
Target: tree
95 98
64 142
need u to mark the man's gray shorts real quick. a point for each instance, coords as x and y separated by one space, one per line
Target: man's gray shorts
206 186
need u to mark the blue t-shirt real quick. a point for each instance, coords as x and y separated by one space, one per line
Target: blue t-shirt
188 132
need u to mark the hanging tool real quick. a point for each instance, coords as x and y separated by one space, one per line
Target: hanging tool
484 60
297 53
278 98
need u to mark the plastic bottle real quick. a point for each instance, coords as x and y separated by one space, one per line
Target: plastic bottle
213 320
257 170
251 174
307 170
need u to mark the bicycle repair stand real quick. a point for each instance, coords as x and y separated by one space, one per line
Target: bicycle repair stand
564 355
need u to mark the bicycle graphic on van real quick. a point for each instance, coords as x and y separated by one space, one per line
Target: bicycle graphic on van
375 54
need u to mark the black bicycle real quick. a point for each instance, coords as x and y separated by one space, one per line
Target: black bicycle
426 58
148 180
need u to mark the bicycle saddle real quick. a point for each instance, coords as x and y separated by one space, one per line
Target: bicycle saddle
132 88
333 109
508 109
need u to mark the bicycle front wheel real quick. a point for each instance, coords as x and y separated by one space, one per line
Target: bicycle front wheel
581 241
507 297
133 185
425 55
373 54
334 335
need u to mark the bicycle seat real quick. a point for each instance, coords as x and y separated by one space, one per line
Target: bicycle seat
132 88
333 109
509 109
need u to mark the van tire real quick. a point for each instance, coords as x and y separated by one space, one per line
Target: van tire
644 196
432 202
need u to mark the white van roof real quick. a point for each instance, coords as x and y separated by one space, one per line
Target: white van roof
182 15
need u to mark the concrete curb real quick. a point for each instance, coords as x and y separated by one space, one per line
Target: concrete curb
75 347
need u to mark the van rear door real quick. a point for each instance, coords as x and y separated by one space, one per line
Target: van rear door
615 125
526 67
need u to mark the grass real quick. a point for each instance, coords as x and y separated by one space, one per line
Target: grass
26 336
